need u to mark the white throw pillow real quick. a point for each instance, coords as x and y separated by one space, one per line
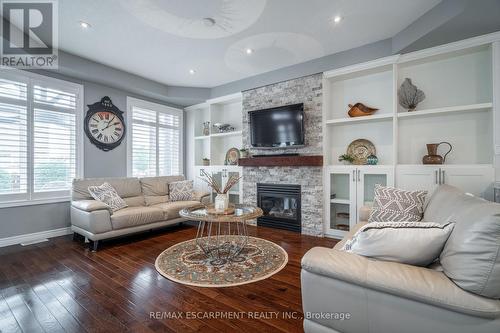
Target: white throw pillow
413 243
181 190
106 194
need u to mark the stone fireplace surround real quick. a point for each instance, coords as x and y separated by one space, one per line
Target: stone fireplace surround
307 90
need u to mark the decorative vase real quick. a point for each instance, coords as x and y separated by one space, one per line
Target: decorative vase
221 202
206 162
372 160
206 128
432 156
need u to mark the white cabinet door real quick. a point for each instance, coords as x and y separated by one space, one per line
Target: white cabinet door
417 177
341 212
235 193
475 179
367 177
200 185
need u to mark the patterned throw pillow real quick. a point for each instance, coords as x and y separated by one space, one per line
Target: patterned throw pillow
394 205
106 194
181 191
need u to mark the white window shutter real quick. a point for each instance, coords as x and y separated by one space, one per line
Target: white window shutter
156 139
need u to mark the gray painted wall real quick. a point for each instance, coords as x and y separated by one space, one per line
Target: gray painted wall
449 21
360 54
97 163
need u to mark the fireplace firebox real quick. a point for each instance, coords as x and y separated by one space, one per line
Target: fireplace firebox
281 206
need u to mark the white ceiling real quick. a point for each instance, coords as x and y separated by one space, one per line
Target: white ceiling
163 39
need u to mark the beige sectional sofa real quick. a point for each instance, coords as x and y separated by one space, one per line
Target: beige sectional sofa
382 296
148 207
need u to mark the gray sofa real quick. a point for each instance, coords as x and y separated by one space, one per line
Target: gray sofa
148 207
380 296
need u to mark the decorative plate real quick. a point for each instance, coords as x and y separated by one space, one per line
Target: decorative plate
232 156
360 150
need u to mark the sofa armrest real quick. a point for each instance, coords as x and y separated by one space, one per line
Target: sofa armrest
349 235
94 222
200 196
406 281
90 205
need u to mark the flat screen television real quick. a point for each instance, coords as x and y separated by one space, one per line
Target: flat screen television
279 127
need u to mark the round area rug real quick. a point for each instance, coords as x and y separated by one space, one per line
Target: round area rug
187 264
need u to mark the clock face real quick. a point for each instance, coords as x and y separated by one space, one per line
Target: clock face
105 127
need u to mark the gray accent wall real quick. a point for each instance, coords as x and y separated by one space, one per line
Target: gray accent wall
97 163
360 54
449 21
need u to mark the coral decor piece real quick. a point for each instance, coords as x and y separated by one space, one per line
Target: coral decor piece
409 95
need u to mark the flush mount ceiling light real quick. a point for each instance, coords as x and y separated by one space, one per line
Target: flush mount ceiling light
84 25
192 71
337 19
249 51
213 19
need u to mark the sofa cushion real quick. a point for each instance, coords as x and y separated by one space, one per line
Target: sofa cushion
106 194
125 187
413 243
155 199
135 201
171 209
471 256
155 189
394 205
134 216
181 190
443 203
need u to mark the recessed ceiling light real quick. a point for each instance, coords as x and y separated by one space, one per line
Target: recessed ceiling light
84 25
192 71
337 19
249 51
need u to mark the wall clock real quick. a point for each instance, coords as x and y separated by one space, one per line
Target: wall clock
104 124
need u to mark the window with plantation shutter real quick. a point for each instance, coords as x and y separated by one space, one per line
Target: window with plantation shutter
39 137
154 136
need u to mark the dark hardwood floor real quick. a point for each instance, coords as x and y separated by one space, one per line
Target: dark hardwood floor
61 286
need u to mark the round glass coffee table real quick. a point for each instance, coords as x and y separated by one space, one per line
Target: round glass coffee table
222 237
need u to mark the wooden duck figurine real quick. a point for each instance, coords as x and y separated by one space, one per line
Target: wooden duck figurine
360 110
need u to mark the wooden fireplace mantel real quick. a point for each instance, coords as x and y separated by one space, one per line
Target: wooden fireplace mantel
301 160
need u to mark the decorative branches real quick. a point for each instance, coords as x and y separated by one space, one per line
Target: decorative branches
210 180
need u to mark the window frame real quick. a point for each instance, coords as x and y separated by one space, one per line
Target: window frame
31 79
140 103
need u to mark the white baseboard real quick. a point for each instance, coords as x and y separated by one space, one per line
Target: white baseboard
26 238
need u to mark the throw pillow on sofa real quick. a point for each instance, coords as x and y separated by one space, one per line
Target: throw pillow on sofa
394 205
181 191
413 243
106 194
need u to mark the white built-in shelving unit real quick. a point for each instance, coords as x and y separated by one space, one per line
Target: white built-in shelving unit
462 95
226 109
